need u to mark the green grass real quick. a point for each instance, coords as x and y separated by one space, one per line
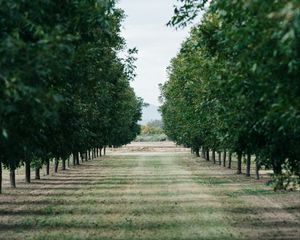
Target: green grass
134 196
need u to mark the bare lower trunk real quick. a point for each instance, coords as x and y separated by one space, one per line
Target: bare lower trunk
48 167
224 159
197 152
0 177
86 156
89 154
68 161
239 163
257 167
77 158
100 151
63 164
74 158
220 162
207 154
214 156
104 151
27 172
12 177
229 160
37 173
248 165
56 165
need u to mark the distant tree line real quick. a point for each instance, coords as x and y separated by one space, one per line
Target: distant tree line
63 87
152 131
234 87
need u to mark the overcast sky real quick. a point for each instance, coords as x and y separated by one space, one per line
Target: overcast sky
145 28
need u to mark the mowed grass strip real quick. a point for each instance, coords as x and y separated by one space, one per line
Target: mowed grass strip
138 196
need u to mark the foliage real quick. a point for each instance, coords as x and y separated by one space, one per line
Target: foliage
152 132
63 88
235 83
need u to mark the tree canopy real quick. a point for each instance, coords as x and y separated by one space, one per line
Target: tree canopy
63 87
235 84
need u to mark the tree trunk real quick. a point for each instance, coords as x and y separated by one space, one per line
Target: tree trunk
224 159
56 165
82 158
202 152
48 167
239 163
12 176
248 165
0 177
27 171
68 161
89 154
229 160
63 164
104 151
197 151
77 158
37 173
214 156
220 162
207 154
86 156
257 167
100 151
74 158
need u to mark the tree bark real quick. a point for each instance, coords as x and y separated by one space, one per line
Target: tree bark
77 158
12 177
229 160
197 151
224 159
74 158
207 154
220 162
63 164
248 165
214 156
89 154
27 171
104 151
68 161
56 165
0 177
48 167
100 151
257 167
239 163
37 173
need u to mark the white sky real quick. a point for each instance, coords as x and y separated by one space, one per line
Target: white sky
145 28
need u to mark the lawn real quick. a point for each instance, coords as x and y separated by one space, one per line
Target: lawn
148 195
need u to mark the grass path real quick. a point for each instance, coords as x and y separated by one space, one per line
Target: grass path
148 196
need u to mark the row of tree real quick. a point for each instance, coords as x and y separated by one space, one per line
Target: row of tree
63 87
234 86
